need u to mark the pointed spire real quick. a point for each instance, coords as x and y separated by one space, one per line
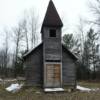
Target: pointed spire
52 17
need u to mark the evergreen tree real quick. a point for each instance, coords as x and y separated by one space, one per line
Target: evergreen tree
68 41
72 44
90 54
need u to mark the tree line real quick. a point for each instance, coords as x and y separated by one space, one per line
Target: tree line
86 45
88 54
21 38
25 36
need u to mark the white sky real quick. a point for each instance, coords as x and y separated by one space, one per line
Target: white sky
69 10
11 10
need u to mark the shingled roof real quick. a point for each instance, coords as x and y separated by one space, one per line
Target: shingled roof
51 17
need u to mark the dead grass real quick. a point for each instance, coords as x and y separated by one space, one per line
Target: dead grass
31 93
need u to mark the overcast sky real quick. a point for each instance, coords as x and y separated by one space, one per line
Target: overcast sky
11 11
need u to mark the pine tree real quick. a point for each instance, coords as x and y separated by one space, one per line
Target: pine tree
90 57
68 41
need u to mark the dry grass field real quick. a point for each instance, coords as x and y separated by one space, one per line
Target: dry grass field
32 93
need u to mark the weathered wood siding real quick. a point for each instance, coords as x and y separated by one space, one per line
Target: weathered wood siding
53 75
52 53
34 67
52 45
68 68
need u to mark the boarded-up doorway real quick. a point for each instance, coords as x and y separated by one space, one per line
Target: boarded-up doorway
53 75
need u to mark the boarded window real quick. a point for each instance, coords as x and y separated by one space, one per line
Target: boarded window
52 33
53 75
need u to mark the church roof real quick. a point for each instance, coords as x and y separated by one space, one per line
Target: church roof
33 49
40 46
52 17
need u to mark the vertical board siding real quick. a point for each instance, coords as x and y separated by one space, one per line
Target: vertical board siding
52 45
53 75
68 69
34 67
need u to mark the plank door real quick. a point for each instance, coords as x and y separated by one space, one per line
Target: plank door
53 75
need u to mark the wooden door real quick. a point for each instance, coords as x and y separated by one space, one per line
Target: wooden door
53 75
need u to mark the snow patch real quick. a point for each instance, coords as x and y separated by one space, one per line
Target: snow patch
53 89
84 89
14 87
1 80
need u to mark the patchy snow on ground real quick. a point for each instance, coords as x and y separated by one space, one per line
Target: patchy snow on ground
14 87
1 80
53 89
10 80
84 89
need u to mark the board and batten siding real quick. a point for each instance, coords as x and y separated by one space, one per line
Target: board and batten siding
52 45
68 69
34 67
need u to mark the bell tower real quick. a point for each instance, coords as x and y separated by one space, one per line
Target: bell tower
52 47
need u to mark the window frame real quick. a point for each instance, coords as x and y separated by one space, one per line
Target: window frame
52 33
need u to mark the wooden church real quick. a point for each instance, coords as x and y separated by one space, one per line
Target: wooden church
50 64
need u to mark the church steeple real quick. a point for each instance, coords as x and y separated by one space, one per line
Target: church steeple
52 18
52 47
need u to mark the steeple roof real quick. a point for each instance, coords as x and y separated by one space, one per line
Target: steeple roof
52 17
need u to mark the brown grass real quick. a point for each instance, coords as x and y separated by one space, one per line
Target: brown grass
32 93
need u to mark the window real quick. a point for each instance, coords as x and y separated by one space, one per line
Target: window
52 33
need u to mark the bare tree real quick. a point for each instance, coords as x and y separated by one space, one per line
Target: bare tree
30 28
95 8
6 58
81 35
18 38
33 27
25 32
2 62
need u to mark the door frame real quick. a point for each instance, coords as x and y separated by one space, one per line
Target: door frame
44 75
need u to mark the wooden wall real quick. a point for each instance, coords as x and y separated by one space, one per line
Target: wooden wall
68 68
52 45
34 72
34 67
52 53
52 75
